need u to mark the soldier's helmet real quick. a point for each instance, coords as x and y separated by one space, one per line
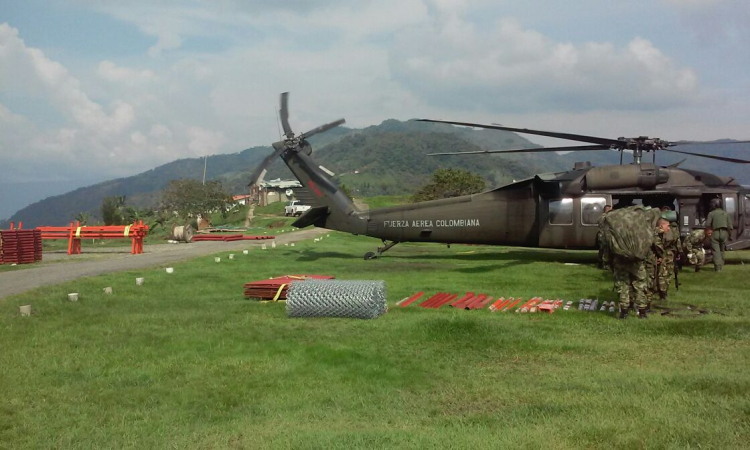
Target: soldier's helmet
715 203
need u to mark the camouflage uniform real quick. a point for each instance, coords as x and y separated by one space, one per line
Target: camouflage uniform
628 233
604 256
630 282
694 248
672 250
719 220
654 271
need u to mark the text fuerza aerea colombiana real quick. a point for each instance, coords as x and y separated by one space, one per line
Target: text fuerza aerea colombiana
439 223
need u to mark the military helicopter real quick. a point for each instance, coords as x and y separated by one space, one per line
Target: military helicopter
554 210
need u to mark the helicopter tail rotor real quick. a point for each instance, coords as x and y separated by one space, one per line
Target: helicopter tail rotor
290 142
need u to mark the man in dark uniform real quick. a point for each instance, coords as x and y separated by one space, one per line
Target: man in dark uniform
719 220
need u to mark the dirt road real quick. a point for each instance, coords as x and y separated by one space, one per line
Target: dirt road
116 259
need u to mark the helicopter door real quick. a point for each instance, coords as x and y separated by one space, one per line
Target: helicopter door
746 216
557 225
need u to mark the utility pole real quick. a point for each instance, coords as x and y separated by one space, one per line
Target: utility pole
205 162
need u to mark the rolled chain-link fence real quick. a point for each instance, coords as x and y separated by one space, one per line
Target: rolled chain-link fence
360 299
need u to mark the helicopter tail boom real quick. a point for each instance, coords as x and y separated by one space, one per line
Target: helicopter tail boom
333 209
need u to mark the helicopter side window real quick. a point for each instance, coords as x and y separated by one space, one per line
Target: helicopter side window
730 206
561 211
591 209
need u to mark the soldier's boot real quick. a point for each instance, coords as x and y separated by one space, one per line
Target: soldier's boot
623 313
697 268
642 314
648 307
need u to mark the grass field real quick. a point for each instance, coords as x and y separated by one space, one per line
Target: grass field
185 362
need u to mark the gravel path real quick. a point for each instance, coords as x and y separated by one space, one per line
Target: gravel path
113 259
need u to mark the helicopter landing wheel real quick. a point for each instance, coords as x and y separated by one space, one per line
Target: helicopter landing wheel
386 246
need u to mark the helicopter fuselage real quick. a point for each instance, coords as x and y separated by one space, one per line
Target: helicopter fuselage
549 210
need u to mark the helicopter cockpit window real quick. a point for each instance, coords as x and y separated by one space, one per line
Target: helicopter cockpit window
591 209
561 211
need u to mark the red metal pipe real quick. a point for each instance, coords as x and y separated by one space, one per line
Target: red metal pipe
442 302
478 299
505 303
512 305
497 303
464 301
412 299
484 303
432 299
466 296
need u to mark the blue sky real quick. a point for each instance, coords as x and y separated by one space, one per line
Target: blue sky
91 90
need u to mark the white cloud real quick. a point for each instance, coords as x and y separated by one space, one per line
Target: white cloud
109 140
721 23
167 41
117 74
204 142
451 61
26 70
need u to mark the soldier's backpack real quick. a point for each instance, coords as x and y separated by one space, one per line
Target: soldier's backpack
628 232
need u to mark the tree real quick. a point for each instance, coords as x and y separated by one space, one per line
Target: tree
112 210
131 214
190 198
345 189
449 183
83 218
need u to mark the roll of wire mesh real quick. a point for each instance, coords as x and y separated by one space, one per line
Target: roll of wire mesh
359 299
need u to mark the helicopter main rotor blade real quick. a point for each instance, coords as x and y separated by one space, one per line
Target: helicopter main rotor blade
321 129
673 144
284 115
703 155
262 168
568 136
529 150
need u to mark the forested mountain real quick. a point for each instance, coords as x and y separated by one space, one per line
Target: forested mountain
384 159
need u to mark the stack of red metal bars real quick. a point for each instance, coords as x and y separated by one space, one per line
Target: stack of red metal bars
228 237
276 288
480 301
19 246
468 301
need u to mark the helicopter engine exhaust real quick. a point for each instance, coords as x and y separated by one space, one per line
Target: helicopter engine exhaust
644 176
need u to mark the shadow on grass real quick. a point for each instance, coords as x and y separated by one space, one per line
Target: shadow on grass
701 326
312 255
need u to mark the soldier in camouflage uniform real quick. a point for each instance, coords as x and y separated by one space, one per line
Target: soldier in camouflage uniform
694 243
672 251
604 256
654 263
628 233
630 282
719 220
